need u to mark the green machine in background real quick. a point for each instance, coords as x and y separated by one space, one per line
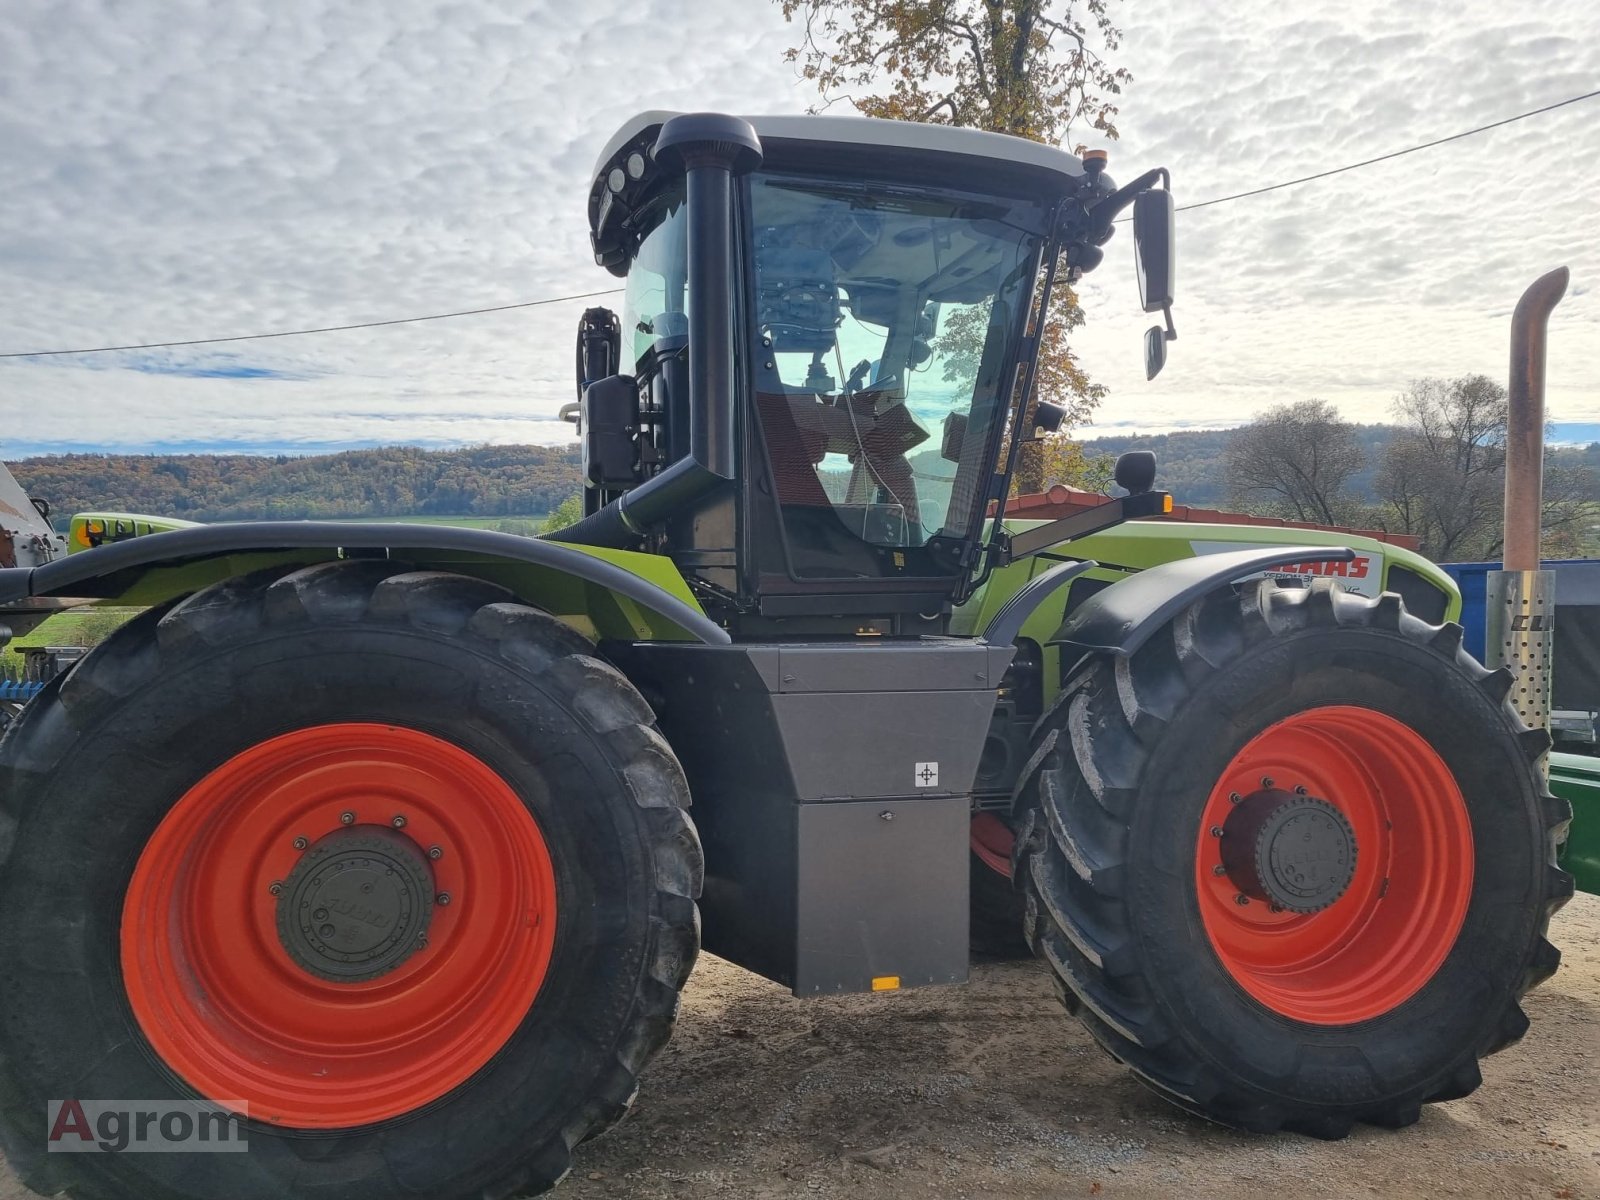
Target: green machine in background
1576 779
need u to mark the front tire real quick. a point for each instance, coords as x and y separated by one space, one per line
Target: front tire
397 862
1292 861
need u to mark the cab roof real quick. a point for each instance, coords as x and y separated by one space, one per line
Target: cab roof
868 132
959 151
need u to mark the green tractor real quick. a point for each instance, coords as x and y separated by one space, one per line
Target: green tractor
378 836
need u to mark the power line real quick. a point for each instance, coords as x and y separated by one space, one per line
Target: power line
1367 162
474 312
252 337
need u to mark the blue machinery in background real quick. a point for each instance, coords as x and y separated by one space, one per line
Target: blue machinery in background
1576 679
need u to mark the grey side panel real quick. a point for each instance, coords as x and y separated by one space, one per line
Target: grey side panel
862 916
873 664
788 784
845 745
1122 617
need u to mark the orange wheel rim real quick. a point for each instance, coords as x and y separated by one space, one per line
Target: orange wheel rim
1334 865
242 1010
992 841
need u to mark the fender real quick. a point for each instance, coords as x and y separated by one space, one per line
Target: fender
1122 617
1005 625
110 570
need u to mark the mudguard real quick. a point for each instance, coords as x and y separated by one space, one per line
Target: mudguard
108 571
1004 628
1122 617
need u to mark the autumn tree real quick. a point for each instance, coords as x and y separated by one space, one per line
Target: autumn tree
1443 474
1030 68
1063 460
1296 461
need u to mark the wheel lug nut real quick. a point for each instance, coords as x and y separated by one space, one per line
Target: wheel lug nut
399 822
300 843
1266 781
422 941
435 853
1277 908
442 898
347 818
1234 798
1241 899
1216 831
275 886
1219 869
1300 789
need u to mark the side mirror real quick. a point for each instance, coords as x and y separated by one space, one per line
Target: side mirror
609 417
1154 242
1135 471
1155 351
599 345
1047 416
1154 256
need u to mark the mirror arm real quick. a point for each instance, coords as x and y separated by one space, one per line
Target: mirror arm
1105 211
1028 542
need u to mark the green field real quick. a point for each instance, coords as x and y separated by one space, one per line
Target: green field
78 627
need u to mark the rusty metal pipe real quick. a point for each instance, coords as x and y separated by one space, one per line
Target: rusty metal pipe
1525 422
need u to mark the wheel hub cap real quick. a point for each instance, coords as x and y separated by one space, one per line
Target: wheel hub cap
1294 851
357 904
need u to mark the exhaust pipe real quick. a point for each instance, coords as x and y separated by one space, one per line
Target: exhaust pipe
1521 616
1525 426
713 148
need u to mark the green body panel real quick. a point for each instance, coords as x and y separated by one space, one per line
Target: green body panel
594 611
1576 779
115 526
1141 544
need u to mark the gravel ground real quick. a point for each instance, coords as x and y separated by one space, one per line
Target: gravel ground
992 1091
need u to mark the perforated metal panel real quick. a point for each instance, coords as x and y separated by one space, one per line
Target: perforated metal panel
1521 620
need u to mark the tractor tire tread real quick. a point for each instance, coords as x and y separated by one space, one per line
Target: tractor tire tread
476 612
1075 814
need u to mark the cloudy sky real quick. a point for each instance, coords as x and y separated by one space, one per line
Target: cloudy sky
177 170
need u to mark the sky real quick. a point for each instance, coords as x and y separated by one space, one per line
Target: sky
179 170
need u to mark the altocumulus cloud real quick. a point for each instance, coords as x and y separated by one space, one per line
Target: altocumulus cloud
176 171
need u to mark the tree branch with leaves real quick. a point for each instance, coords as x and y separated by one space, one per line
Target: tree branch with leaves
1029 68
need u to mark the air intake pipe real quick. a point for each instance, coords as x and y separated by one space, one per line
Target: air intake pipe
712 148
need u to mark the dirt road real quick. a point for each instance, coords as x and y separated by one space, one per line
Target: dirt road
992 1091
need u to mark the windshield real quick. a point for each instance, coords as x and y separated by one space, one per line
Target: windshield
884 316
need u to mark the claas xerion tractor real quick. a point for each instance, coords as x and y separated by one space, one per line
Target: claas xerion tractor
380 835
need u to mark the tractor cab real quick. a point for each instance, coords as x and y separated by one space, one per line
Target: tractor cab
825 345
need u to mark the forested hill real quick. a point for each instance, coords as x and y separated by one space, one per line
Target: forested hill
492 481
390 482
1192 465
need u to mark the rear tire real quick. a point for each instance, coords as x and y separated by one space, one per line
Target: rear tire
350 659
1253 1017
